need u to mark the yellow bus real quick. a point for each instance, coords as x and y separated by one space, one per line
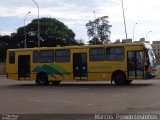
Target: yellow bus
120 63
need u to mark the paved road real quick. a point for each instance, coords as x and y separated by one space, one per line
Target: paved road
84 98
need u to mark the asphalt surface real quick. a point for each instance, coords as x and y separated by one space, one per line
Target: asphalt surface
79 97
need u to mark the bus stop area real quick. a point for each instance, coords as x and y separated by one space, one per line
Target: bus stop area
79 97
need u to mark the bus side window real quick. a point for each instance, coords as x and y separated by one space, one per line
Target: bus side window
46 56
97 54
115 54
35 56
62 55
12 57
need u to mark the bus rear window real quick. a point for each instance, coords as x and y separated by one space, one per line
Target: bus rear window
12 57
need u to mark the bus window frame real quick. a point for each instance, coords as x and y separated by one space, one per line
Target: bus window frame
67 57
33 57
12 58
46 56
116 54
94 60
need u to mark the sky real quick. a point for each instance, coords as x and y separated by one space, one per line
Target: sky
76 13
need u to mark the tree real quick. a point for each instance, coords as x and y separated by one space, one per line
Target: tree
99 30
4 40
52 32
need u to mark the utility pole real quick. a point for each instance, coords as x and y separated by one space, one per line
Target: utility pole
124 19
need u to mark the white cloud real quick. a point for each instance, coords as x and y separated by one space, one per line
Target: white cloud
142 9
134 9
77 13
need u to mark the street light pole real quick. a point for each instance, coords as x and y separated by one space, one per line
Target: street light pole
94 14
147 34
25 38
38 35
95 27
134 29
124 19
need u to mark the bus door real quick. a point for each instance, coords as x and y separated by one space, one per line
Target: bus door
135 64
23 67
80 66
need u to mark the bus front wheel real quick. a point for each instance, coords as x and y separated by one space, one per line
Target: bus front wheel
119 78
42 79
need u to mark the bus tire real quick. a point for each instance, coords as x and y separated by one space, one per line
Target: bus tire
42 79
119 78
56 82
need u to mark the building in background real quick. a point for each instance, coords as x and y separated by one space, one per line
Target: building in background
144 40
126 40
130 40
156 48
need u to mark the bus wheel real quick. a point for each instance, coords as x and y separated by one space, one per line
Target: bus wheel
55 82
119 78
42 79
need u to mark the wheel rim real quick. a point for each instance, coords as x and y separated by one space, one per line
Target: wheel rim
119 79
42 80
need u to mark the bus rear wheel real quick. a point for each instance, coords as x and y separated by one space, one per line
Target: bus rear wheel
119 78
42 79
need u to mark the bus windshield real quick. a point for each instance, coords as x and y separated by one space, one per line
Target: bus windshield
152 58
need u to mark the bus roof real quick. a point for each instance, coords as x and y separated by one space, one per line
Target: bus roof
147 45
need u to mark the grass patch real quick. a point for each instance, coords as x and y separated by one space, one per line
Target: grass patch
158 73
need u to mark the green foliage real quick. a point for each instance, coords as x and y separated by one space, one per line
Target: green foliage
5 41
99 30
52 32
